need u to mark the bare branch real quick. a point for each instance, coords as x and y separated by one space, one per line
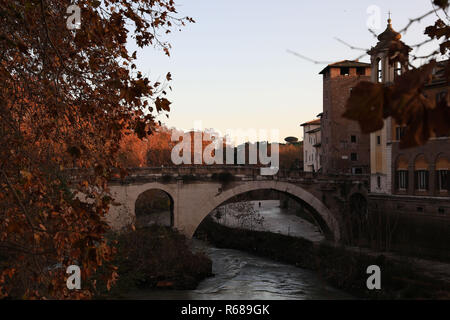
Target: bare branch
308 59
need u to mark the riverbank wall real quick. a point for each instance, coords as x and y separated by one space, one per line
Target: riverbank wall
342 267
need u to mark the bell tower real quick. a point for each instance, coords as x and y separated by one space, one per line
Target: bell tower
383 71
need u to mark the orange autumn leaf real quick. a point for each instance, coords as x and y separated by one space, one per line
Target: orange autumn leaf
365 105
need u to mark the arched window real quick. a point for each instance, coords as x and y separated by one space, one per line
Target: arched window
421 173
401 174
442 173
397 69
379 70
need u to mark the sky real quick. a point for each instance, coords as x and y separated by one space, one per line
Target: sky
232 69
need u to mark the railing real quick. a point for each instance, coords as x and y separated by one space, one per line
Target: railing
200 171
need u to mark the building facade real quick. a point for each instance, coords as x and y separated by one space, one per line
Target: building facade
344 148
414 179
311 145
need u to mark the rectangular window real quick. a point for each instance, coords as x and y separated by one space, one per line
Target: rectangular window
378 140
441 96
345 71
442 180
379 182
402 180
353 139
421 180
354 157
399 132
361 71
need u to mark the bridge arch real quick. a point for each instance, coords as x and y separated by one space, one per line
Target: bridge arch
154 205
126 196
205 208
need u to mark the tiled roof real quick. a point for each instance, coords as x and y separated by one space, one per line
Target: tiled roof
313 130
315 121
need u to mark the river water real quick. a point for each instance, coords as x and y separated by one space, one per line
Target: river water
276 219
240 275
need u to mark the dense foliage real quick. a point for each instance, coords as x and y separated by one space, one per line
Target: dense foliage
66 97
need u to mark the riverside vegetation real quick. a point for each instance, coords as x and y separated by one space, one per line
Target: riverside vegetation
155 257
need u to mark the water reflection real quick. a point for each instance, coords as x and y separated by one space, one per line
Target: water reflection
239 275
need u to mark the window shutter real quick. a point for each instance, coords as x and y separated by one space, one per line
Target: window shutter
438 177
416 180
445 182
397 180
407 177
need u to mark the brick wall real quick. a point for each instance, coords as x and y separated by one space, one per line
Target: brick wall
337 131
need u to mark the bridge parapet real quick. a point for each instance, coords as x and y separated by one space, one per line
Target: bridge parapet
196 191
205 173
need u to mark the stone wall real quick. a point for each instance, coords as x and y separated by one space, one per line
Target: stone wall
417 225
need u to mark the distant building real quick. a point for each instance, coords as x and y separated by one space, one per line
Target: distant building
311 145
344 148
301 164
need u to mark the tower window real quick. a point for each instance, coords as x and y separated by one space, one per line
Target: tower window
379 71
378 140
345 71
378 182
397 69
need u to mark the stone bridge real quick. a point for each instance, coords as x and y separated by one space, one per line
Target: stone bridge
197 191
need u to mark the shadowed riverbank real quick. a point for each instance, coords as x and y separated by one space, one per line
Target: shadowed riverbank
344 268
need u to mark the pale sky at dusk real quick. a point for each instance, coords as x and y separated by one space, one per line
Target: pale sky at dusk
231 69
